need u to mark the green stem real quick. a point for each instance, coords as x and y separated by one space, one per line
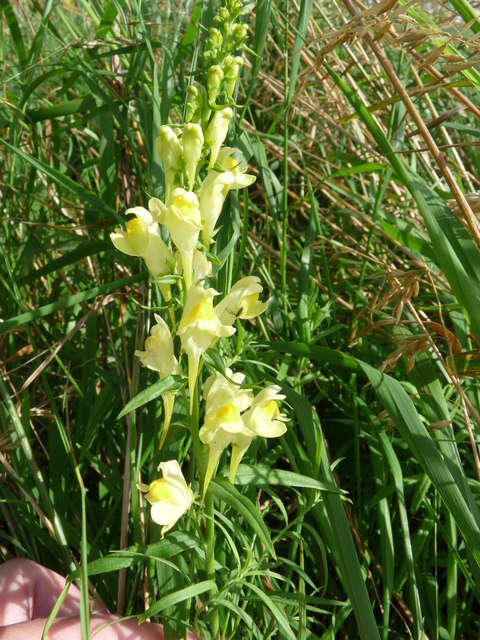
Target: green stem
197 445
210 557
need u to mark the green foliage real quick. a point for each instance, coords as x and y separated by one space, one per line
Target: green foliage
363 520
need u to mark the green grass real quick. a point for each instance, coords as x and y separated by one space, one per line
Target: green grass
363 520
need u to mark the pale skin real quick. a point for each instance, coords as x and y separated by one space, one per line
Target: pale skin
28 592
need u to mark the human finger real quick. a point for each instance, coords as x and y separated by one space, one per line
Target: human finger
30 591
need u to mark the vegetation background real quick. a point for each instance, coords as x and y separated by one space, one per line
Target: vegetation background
360 120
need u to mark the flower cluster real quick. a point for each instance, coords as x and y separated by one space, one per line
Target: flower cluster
234 417
199 171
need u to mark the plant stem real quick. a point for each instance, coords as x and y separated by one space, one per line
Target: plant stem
210 556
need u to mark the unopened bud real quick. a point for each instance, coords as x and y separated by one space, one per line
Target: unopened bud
192 141
214 39
239 33
232 65
214 82
169 151
193 103
217 132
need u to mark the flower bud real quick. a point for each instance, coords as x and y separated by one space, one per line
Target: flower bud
192 103
214 39
232 66
214 82
223 14
217 132
239 33
169 151
192 142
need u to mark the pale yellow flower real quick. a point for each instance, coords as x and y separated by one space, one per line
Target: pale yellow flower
182 219
217 132
159 356
169 150
225 402
169 496
215 188
142 238
192 143
263 418
198 329
242 301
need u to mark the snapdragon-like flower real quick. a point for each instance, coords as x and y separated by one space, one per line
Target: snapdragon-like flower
169 151
159 356
182 219
198 329
217 132
215 188
225 402
142 238
242 301
169 496
263 418
192 143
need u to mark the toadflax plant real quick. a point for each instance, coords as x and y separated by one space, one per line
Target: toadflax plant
175 237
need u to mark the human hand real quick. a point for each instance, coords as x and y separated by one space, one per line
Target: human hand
28 593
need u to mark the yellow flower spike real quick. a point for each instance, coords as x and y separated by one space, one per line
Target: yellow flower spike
225 401
159 356
198 329
192 142
217 132
263 418
215 188
142 238
169 150
242 301
169 496
182 219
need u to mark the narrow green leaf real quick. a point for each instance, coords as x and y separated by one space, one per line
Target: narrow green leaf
367 167
79 105
62 180
467 12
82 251
300 35
282 620
178 596
332 521
109 14
405 417
223 490
259 475
169 383
175 543
262 22
14 27
68 301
